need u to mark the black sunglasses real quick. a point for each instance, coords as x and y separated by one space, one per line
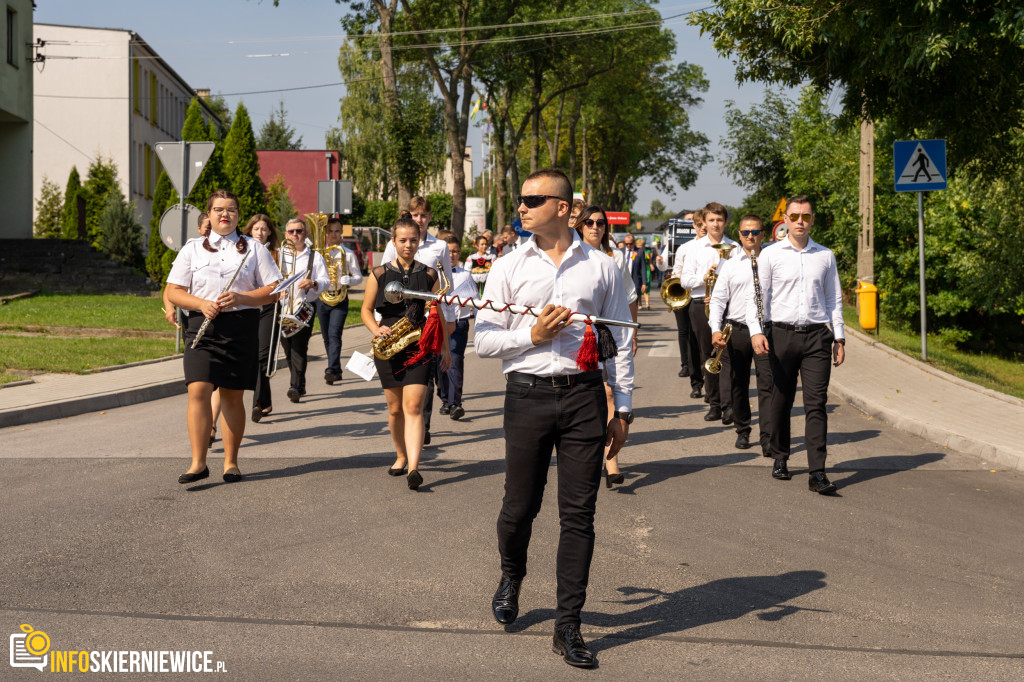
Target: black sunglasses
535 200
750 233
590 222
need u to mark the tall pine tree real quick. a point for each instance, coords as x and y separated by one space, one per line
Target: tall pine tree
99 185
212 178
48 211
242 165
69 214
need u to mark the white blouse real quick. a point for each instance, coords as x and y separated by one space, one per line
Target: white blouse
205 274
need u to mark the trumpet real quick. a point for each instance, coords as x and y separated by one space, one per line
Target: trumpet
723 254
713 364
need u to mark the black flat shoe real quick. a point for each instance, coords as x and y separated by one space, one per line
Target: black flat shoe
445 409
293 394
695 393
230 477
457 412
213 437
569 644
611 479
819 483
505 605
684 372
780 471
397 472
743 441
414 480
426 437
192 478
257 414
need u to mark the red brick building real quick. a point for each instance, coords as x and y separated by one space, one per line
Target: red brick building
302 170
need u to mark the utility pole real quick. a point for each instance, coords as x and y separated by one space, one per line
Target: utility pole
866 238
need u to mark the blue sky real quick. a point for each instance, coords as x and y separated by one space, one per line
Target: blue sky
223 45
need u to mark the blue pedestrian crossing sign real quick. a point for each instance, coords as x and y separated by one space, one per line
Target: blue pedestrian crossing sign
920 165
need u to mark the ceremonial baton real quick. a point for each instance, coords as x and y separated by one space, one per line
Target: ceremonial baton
394 292
206 322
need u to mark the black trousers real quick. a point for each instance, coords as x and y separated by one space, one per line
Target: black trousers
572 421
262 396
741 354
702 330
295 351
808 354
432 385
689 351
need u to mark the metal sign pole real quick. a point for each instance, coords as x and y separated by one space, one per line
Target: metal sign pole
183 192
920 251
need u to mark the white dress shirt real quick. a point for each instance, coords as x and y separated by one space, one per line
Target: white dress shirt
586 281
205 274
627 279
735 285
355 275
430 251
800 286
318 274
465 288
701 258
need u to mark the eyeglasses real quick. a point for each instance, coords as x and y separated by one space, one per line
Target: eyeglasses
600 222
750 233
793 217
298 231
220 211
536 200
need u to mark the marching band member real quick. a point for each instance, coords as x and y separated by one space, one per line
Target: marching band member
261 227
296 346
449 384
804 333
479 264
701 262
404 387
223 278
735 286
689 350
332 318
549 401
592 227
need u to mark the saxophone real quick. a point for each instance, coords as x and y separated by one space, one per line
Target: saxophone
404 333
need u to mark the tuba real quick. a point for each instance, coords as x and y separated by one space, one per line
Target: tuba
723 254
403 333
674 295
333 255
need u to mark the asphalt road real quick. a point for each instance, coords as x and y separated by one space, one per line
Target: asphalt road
320 566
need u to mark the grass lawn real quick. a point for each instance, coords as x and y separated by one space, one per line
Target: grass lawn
77 355
1005 375
74 310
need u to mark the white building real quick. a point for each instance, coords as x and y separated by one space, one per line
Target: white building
16 121
446 182
105 92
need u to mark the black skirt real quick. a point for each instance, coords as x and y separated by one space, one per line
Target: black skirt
394 374
228 354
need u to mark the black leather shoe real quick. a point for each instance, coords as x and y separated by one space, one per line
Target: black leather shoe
713 415
569 644
293 394
257 414
727 416
458 412
765 452
192 478
819 483
445 409
695 393
414 480
780 471
232 477
505 604
684 372
331 377
743 441
611 479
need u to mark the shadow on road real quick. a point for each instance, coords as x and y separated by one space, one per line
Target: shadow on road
875 467
652 473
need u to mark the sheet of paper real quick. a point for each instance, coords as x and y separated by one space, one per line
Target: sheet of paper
362 365
288 282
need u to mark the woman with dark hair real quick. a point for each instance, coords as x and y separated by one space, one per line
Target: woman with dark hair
592 226
223 278
261 228
404 384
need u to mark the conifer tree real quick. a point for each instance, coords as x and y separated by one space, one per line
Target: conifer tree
69 214
121 234
48 211
157 249
242 165
99 185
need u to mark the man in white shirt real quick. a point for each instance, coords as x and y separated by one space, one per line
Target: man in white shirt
735 286
689 350
307 290
549 402
802 299
449 384
701 261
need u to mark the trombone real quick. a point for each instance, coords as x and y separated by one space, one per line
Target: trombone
286 256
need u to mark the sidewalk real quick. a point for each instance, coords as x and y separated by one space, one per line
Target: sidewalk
890 386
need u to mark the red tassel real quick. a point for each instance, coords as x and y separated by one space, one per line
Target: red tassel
586 356
431 338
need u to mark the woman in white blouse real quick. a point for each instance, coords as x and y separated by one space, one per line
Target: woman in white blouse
592 226
226 356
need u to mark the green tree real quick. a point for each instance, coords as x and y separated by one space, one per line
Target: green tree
49 207
280 206
276 133
69 214
121 232
220 108
242 166
100 183
754 151
196 129
155 255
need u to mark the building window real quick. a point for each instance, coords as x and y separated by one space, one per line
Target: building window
153 99
147 171
12 37
136 95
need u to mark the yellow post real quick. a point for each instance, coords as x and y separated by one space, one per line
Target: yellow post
867 303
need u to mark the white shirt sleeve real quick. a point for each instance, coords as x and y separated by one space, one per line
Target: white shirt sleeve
493 337
720 298
355 275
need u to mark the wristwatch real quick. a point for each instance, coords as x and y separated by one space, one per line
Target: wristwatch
624 416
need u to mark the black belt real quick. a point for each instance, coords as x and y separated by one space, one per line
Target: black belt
799 328
565 380
741 325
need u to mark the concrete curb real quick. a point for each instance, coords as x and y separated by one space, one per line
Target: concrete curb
93 403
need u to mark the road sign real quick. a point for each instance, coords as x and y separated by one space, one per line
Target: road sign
919 165
334 196
176 223
184 162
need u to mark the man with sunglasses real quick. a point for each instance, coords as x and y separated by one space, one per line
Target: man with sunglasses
296 347
549 402
701 262
803 334
735 286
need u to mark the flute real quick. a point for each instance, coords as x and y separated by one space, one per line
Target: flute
394 292
206 322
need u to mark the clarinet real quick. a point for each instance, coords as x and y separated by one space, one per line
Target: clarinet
758 298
